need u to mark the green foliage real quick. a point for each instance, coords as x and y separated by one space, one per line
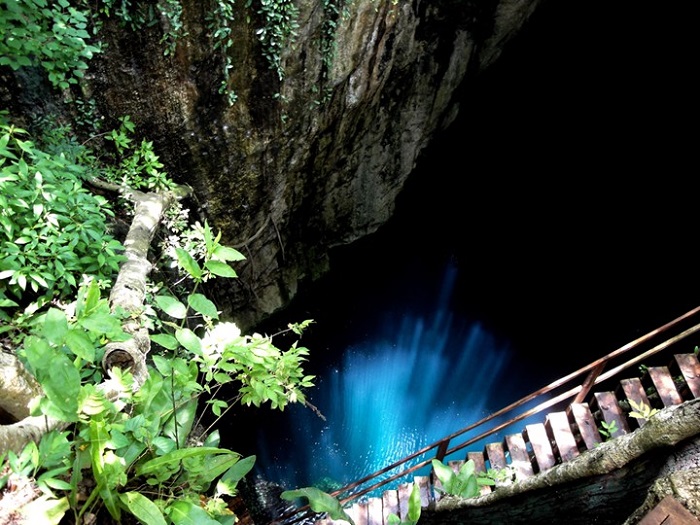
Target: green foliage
220 22
319 501
52 230
334 11
50 34
607 430
264 372
132 440
465 483
502 476
199 255
171 11
140 452
414 509
136 167
641 410
133 14
279 30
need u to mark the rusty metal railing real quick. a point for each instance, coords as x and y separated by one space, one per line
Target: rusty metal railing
595 373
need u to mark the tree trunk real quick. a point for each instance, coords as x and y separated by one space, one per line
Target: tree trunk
18 387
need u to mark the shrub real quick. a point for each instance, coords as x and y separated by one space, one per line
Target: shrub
52 230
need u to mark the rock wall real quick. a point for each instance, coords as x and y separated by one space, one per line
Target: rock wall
314 160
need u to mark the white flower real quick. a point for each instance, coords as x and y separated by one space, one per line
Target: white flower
217 338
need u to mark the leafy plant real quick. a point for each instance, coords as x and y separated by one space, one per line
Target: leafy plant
136 451
607 430
52 230
465 483
641 410
334 11
279 29
224 354
414 509
502 476
50 34
132 440
220 24
134 167
319 501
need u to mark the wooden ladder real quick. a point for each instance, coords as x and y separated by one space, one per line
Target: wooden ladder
562 437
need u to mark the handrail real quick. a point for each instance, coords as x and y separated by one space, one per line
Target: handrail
595 375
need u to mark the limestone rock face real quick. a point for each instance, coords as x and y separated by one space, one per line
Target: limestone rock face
313 157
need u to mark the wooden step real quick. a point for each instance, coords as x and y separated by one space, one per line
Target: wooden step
496 456
581 415
559 431
633 390
375 512
606 404
390 504
669 511
688 366
359 512
663 383
427 498
520 458
536 434
405 490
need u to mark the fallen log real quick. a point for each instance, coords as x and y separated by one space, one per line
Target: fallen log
19 388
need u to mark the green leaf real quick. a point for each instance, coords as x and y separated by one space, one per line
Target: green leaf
165 340
414 504
143 508
80 344
188 263
101 322
187 513
208 238
45 510
62 385
200 304
54 483
224 253
471 488
221 269
444 473
162 364
467 469
163 445
55 326
171 306
88 298
176 456
319 501
238 471
38 352
189 340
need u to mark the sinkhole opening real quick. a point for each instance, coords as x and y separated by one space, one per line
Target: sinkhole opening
421 373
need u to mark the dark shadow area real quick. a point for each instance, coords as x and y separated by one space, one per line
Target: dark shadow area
563 194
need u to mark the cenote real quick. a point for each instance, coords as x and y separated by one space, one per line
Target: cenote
507 265
414 374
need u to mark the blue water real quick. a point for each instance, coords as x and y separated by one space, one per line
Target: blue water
423 375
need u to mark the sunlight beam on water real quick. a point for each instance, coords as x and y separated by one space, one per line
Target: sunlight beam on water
422 378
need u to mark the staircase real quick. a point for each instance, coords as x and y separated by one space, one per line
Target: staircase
572 426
